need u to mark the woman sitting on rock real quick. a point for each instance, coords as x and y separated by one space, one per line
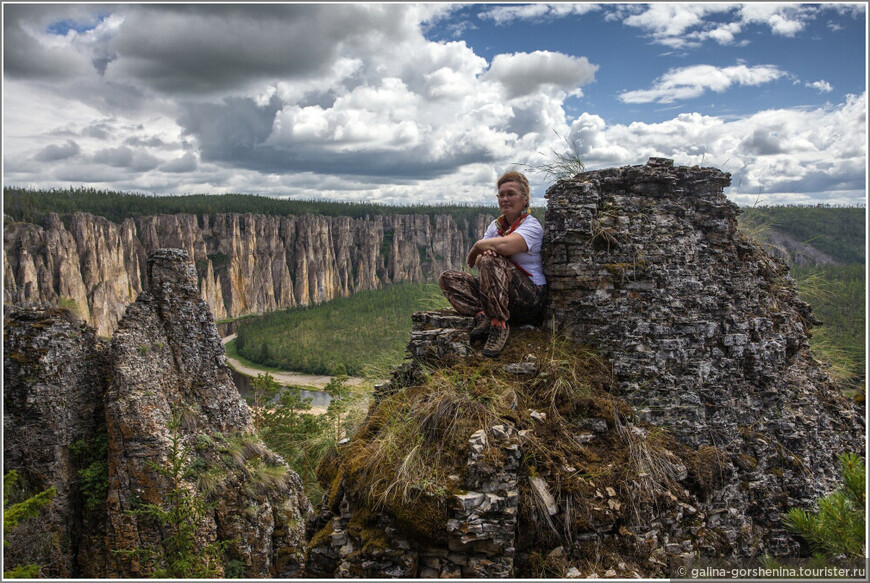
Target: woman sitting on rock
511 285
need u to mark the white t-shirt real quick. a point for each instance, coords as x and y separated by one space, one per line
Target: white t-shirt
532 232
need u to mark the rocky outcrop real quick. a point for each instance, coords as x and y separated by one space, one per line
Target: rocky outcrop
55 373
673 411
704 329
245 263
160 394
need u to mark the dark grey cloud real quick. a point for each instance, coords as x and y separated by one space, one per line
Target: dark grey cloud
235 129
118 157
99 130
53 153
110 99
69 130
195 49
820 183
26 58
152 142
387 167
124 157
528 119
762 143
526 73
186 163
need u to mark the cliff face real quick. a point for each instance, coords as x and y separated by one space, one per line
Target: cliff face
705 330
245 263
709 421
161 393
89 263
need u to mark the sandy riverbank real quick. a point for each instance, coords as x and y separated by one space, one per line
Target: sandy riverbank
287 377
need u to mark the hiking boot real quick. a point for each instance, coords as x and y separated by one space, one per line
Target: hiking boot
497 340
481 328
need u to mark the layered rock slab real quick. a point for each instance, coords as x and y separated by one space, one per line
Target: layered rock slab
55 374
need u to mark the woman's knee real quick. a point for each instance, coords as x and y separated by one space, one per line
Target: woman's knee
488 261
448 279
493 263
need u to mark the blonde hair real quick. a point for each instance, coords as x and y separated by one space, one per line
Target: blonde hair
519 178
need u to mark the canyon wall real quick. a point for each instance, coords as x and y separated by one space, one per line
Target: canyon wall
245 264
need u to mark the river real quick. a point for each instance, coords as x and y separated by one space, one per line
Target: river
242 376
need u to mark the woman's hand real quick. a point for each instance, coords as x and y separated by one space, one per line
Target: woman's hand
507 246
473 255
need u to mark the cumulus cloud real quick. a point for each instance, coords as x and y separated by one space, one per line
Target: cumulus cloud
680 25
149 142
783 19
536 12
186 163
690 82
669 23
822 85
99 130
783 155
527 73
762 142
124 157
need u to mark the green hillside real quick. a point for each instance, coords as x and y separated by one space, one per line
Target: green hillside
837 231
837 294
365 333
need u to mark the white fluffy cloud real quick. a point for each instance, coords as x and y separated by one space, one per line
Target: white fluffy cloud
694 81
536 12
780 156
680 25
822 85
783 19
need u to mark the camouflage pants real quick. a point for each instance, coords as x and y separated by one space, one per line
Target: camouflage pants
502 291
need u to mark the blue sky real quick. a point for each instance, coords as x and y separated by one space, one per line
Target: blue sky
405 103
